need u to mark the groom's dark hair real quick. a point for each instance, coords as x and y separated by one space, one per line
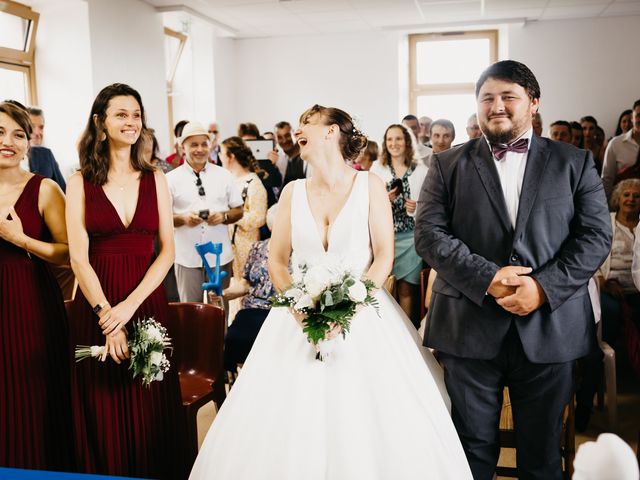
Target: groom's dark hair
511 71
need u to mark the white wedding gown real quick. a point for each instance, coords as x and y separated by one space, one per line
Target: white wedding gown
374 410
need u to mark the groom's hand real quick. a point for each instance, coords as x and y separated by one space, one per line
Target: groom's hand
497 289
528 296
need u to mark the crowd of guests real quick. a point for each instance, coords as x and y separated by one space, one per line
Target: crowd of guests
93 417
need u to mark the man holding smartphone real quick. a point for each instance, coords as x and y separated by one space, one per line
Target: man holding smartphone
205 200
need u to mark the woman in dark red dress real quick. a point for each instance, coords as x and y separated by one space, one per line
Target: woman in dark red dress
117 204
35 405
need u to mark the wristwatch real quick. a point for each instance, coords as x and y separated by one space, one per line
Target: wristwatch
225 218
97 308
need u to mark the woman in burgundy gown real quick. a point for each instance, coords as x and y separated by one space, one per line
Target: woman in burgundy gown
35 405
117 204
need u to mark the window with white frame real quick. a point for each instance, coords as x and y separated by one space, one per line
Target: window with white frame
443 69
18 26
174 45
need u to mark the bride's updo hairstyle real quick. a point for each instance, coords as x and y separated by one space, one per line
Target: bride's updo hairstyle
352 140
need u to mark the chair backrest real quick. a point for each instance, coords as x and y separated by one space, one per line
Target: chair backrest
197 332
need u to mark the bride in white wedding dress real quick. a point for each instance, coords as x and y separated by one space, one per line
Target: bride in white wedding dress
377 408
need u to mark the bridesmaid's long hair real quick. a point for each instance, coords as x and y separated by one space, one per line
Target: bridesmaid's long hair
93 148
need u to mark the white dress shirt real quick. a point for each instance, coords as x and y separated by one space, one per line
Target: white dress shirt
221 194
511 172
622 152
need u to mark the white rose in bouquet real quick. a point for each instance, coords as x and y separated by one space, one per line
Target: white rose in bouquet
154 334
294 294
155 358
358 292
305 301
317 279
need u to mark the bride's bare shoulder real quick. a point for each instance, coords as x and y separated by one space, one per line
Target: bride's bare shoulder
376 185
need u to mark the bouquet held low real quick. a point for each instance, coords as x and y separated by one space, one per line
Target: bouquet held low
147 342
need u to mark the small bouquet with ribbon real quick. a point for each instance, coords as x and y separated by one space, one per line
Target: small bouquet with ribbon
147 342
328 295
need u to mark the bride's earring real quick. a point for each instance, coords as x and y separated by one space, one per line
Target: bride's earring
103 137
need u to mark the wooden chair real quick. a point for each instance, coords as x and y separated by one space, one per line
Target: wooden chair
197 332
567 440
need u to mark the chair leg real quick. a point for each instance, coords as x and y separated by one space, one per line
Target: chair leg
219 394
612 397
191 448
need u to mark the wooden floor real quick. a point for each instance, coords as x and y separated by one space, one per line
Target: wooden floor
628 417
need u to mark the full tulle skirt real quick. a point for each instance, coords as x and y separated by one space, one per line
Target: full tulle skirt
376 409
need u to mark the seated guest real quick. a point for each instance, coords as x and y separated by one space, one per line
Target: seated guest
256 288
560 131
367 156
177 158
618 291
618 294
622 152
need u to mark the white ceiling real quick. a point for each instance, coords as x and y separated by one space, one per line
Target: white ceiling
265 18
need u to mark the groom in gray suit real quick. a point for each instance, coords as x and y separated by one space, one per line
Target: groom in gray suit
515 225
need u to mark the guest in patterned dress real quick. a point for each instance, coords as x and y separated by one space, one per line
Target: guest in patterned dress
237 157
403 176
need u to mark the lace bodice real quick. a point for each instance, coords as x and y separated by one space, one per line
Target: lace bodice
348 236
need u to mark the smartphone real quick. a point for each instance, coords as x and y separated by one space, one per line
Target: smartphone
204 214
397 183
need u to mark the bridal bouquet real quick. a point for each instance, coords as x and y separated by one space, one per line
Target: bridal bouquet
147 342
328 294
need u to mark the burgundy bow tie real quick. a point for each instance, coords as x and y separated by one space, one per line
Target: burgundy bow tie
500 150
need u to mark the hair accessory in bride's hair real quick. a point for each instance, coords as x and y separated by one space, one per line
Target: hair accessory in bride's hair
355 120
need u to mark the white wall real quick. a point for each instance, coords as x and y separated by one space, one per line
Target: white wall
63 75
127 46
225 85
584 67
278 78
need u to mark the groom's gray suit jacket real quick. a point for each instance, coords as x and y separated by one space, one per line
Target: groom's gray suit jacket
463 231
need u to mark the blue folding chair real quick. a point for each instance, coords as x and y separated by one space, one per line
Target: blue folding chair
215 275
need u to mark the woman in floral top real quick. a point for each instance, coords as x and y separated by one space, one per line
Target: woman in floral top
237 157
403 175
